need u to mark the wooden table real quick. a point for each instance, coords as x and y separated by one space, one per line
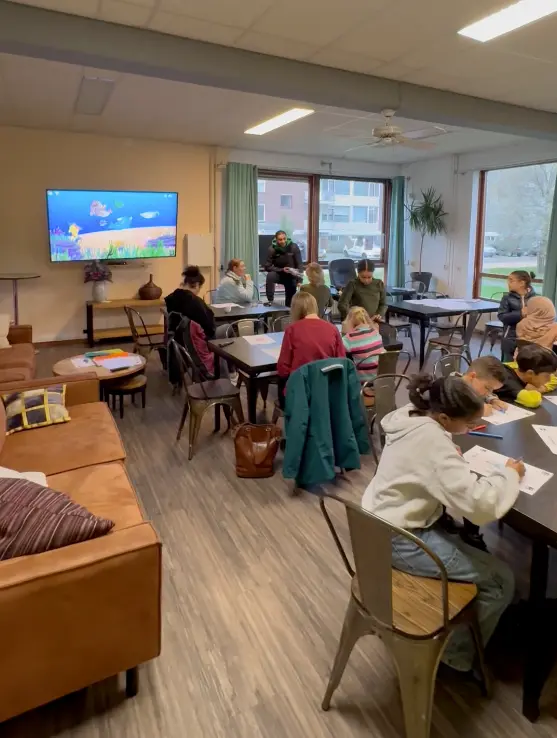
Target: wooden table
534 516
444 308
251 359
65 366
100 334
14 279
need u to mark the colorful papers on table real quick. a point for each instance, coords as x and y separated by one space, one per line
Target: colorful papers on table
82 362
484 462
548 434
500 417
258 340
274 352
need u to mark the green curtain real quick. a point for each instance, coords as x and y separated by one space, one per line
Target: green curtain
395 263
240 228
550 272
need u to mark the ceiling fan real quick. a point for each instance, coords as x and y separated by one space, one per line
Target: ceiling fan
390 135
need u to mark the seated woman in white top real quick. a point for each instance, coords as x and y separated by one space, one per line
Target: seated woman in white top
236 286
421 471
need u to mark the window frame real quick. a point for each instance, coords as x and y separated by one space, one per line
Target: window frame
261 181
479 274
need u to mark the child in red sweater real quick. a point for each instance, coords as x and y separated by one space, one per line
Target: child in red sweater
306 339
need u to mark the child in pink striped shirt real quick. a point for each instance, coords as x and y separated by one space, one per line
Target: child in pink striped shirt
363 342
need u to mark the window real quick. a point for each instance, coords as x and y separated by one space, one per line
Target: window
261 185
516 205
260 212
355 228
336 213
286 201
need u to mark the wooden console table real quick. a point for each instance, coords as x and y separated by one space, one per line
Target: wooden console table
94 335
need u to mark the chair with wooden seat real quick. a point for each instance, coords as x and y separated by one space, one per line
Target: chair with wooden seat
202 395
144 342
493 330
456 341
414 616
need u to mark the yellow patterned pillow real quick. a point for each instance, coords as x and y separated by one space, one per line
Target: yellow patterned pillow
35 408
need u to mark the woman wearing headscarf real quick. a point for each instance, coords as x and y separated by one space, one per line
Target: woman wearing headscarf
539 325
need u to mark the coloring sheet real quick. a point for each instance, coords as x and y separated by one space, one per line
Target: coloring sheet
548 434
484 462
274 352
500 417
258 340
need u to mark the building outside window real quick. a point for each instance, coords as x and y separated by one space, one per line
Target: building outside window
365 214
260 212
286 201
516 215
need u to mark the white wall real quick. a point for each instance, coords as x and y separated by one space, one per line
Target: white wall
451 257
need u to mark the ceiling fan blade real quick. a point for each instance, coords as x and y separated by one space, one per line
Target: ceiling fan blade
418 145
363 146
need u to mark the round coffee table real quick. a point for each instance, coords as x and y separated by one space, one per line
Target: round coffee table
66 367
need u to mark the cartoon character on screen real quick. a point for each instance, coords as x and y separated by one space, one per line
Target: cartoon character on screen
74 230
98 209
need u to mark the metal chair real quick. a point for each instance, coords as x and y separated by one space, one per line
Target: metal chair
280 323
493 330
454 343
414 616
250 327
389 332
143 341
245 327
385 387
449 364
418 287
202 395
209 296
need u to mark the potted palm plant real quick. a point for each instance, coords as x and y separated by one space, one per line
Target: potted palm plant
428 218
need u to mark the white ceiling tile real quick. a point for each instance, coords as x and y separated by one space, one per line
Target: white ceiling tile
536 40
307 21
75 7
115 11
236 13
181 25
339 59
265 44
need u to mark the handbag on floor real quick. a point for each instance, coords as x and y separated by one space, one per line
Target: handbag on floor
256 447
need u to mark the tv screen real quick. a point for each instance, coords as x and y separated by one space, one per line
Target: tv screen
108 224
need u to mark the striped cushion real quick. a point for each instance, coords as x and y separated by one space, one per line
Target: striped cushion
35 408
34 519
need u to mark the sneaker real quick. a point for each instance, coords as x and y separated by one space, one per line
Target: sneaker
476 540
234 377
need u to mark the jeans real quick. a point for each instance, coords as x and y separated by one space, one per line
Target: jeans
492 577
289 282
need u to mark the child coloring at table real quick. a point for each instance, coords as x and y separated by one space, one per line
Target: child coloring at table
362 340
529 376
420 471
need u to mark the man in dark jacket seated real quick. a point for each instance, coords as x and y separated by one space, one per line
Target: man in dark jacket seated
283 266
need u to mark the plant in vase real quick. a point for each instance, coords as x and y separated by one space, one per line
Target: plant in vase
99 274
428 218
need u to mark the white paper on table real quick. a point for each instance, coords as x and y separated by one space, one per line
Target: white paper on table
484 462
81 362
117 363
274 352
258 340
553 400
548 434
226 305
498 417
446 303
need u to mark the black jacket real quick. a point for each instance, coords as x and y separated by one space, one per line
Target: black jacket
191 306
276 260
510 312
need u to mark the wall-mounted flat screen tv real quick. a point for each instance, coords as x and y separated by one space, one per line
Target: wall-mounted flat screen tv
111 224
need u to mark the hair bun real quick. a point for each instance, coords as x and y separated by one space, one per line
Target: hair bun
418 391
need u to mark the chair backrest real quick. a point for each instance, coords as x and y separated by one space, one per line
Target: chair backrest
418 287
184 337
450 363
210 296
188 371
280 323
472 320
435 295
244 327
387 362
386 386
341 271
133 315
371 542
497 296
388 333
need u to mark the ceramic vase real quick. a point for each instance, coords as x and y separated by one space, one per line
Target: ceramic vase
149 291
99 291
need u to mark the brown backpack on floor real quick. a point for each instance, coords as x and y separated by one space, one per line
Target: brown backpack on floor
256 447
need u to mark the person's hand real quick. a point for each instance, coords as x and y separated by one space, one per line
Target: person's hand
488 410
248 277
499 405
531 388
377 318
517 465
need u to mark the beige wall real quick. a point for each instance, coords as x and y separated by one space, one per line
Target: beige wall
33 161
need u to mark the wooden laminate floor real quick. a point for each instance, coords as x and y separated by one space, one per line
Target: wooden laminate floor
253 601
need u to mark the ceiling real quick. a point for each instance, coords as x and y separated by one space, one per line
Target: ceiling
410 41
41 94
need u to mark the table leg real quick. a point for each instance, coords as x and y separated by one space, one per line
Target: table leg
422 342
251 389
216 372
16 303
536 668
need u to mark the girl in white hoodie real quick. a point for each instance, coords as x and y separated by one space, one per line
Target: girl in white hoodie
421 471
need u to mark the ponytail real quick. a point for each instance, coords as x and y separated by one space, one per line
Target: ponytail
449 395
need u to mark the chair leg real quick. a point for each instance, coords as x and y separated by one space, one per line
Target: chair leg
372 440
195 425
121 401
485 684
353 628
143 397
240 380
183 419
482 344
236 405
428 353
276 416
264 390
411 337
416 663
132 681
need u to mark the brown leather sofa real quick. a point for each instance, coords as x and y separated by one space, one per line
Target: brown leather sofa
17 363
83 613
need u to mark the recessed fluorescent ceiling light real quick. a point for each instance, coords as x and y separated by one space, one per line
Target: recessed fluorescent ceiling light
279 120
509 19
93 96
